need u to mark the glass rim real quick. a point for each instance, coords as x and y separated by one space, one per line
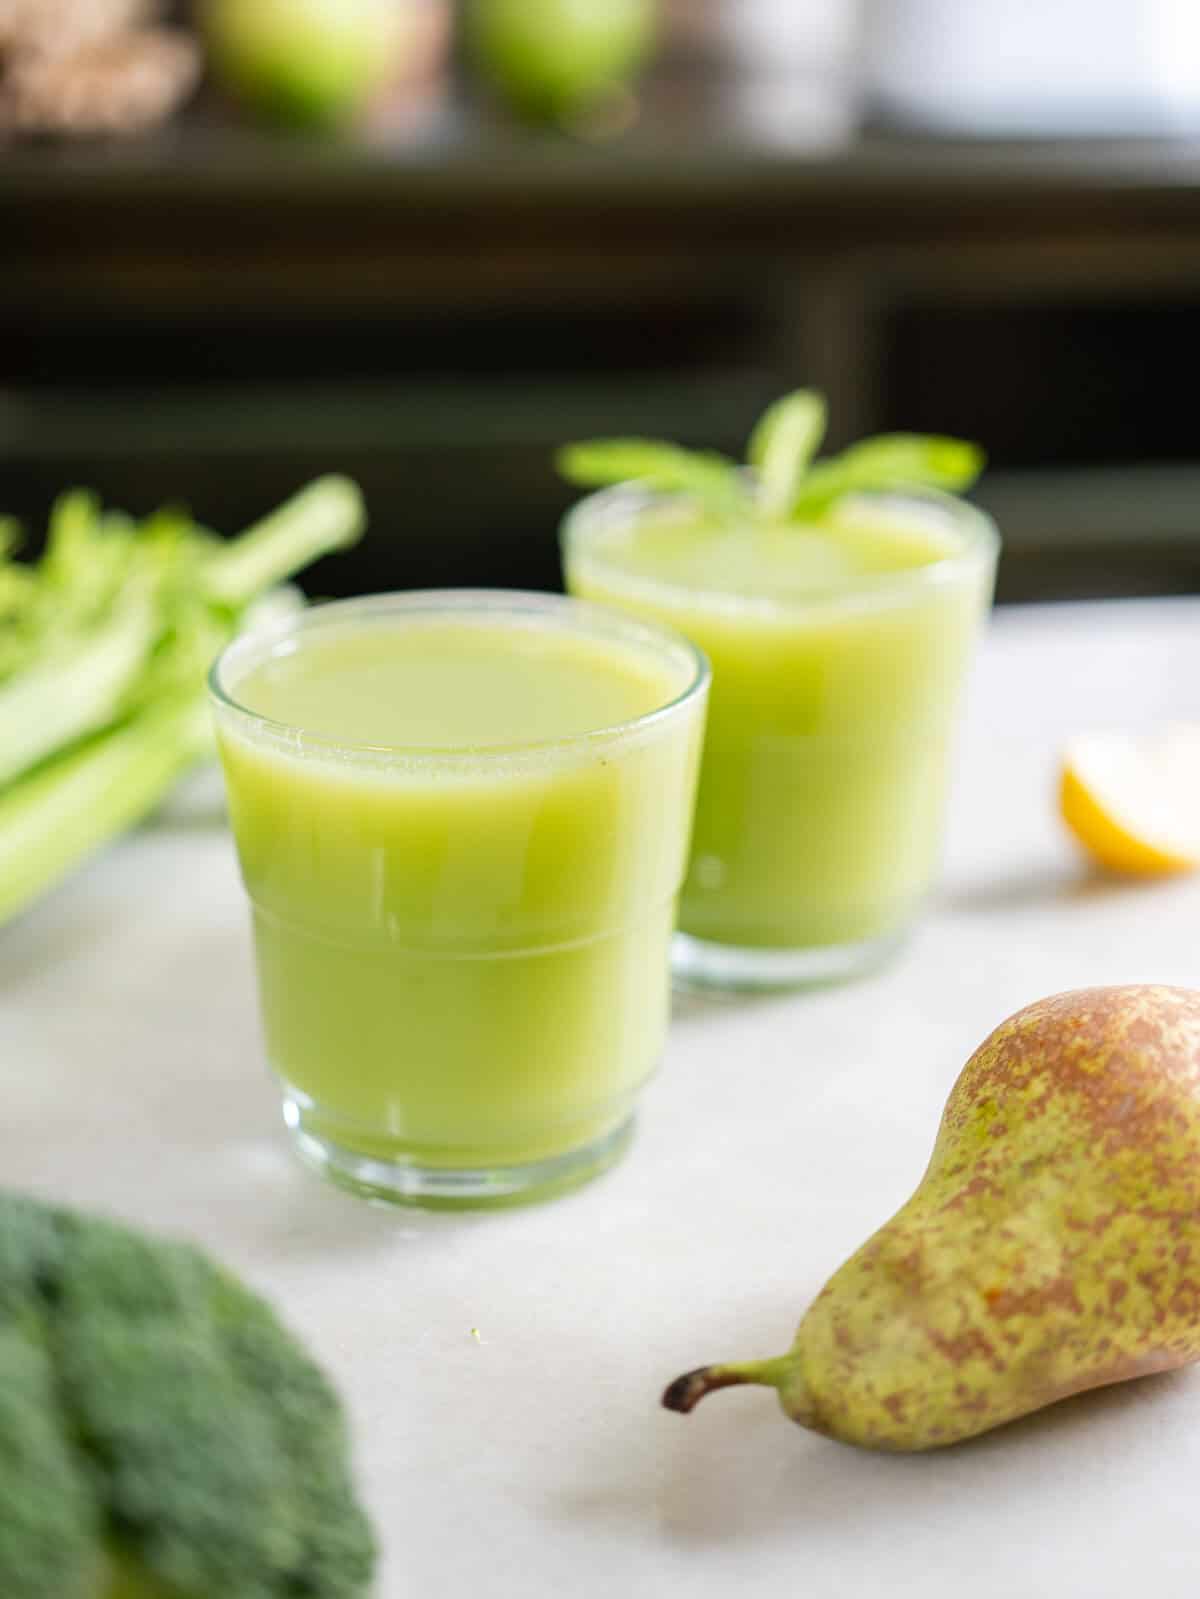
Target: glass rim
596 621
588 518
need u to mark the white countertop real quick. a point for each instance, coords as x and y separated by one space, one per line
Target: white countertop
535 1461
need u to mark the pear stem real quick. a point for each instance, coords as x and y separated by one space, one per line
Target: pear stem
686 1392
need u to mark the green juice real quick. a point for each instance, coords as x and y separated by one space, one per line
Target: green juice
462 825
838 652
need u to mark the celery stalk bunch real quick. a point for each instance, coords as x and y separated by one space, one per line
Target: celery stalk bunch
105 643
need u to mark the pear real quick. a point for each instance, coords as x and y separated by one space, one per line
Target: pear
1053 1244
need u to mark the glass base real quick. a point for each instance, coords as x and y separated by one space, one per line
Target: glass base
698 963
405 1181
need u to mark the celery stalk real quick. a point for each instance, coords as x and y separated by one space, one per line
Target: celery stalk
74 690
51 822
108 641
328 515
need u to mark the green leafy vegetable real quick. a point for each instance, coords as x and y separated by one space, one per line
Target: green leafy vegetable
890 461
161 1432
784 481
104 648
666 468
787 437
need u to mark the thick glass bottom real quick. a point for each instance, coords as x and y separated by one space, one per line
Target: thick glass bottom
699 963
404 1179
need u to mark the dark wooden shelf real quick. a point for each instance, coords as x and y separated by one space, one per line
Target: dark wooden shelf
211 313
465 156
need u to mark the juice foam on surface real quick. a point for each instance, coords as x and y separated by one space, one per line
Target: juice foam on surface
454 685
775 560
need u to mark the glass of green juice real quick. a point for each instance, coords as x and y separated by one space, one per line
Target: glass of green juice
839 650
462 820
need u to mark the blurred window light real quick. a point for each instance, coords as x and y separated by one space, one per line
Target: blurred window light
1035 67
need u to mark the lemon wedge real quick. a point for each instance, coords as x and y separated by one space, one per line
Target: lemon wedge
1134 802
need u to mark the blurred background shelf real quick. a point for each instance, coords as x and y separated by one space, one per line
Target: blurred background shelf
212 314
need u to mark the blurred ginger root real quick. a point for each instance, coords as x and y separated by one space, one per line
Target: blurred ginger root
91 66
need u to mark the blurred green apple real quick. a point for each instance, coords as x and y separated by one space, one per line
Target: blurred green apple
553 58
309 63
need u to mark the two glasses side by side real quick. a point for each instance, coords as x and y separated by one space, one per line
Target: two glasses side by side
464 953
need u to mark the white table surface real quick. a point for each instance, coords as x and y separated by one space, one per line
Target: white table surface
535 1461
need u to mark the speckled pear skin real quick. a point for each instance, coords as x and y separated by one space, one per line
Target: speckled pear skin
1052 1246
